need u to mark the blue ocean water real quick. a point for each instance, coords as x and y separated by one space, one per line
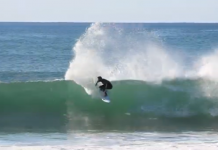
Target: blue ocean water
37 51
164 76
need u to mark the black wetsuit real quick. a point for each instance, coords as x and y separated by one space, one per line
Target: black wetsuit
106 84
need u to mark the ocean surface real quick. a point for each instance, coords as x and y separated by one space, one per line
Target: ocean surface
164 76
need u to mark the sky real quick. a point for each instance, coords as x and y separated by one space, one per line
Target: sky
109 10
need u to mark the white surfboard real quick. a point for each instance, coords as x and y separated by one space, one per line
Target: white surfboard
105 98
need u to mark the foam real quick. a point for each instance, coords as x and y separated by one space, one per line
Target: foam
118 54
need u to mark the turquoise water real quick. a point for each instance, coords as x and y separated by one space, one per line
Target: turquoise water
164 77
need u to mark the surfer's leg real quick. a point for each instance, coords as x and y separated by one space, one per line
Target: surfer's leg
107 88
105 92
103 89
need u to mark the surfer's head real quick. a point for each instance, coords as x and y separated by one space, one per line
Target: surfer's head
99 77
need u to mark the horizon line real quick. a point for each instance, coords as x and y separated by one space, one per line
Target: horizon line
104 22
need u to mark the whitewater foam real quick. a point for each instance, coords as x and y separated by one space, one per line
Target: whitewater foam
117 54
208 66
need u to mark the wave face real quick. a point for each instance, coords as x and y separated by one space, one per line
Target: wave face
32 104
65 104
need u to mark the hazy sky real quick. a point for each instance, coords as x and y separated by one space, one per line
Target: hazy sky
109 10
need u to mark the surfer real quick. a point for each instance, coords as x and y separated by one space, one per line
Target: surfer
106 85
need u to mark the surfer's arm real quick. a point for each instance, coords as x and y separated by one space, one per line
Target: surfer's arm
96 83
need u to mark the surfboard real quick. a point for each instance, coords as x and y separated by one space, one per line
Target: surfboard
105 98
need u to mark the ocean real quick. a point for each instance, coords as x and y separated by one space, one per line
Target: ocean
164 76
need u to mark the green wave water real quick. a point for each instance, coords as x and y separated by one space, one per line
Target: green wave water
65 104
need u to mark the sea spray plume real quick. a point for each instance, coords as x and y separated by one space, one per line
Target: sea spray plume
86 63
208 66
151 63
207 70
118 54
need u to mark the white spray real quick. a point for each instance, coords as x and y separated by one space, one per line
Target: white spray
117 54
107 51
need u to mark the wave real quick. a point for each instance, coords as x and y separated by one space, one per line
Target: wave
152 84
65 103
